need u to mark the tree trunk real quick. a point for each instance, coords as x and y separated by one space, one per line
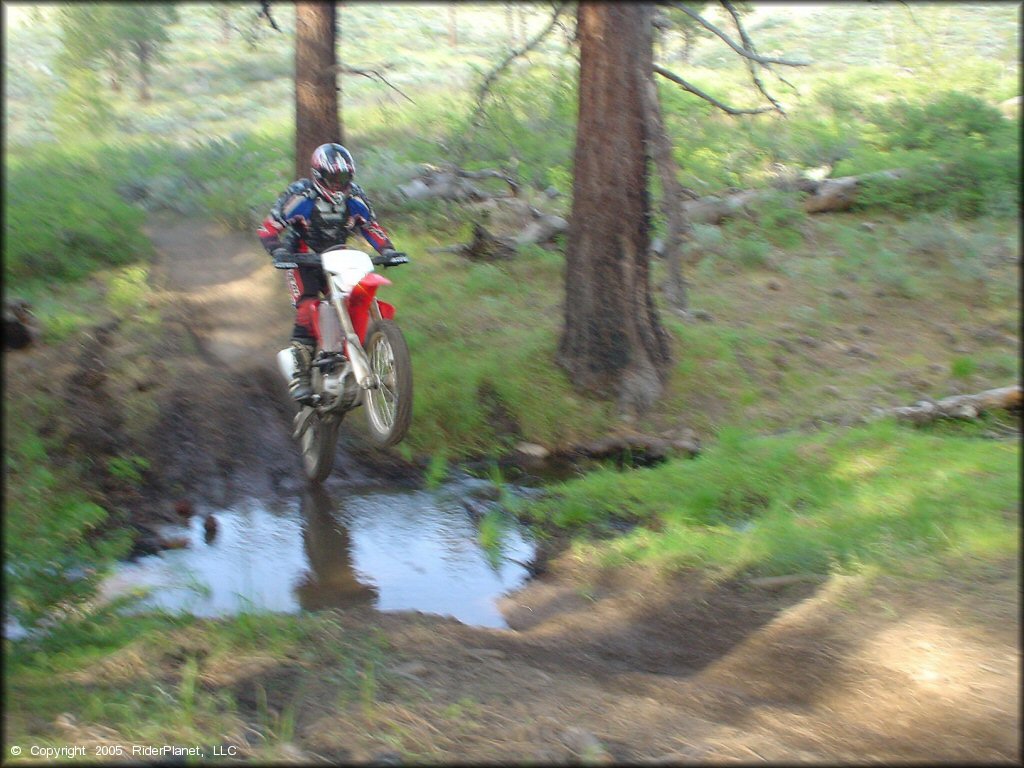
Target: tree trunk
142 51
316 94
453 27
677 228
613 342
224 16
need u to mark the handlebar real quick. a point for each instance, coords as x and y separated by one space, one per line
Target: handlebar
311 259
391 260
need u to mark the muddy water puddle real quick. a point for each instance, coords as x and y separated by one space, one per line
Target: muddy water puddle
408 550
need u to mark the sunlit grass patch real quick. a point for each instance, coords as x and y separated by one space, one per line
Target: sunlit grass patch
773 505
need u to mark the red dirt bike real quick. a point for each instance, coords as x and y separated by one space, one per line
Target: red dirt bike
361 358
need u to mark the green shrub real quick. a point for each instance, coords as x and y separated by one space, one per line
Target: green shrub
87 224
53 558
780 218
753 252
963 367
959 153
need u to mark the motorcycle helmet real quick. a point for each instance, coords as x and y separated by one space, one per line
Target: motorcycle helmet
333 171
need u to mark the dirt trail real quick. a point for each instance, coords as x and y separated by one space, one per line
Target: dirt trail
617 666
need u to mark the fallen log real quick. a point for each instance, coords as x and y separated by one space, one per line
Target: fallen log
822 196
840 194
452 183
713 209
958 406
487 247
638 447
541 230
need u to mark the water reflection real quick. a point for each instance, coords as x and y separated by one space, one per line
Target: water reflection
393 550
331 580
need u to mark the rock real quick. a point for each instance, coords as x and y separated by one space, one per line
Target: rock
19 324
411 669
210 528
992 335
184 508
839 293
552 193
292 754
533 451
855 350
173 542
415 190
773 285
477 510
585 745
868 226
865 330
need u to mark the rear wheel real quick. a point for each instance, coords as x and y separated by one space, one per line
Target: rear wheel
389 401
318 443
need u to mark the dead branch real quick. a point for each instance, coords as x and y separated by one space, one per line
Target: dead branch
485 86
958 406
751 64
741 50
706 96
489 174
373 74
265 13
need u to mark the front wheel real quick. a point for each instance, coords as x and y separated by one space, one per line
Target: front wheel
318 441
389 399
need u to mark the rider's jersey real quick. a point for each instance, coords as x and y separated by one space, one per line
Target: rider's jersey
302 220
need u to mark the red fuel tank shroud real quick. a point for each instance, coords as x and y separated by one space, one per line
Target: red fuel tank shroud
359 303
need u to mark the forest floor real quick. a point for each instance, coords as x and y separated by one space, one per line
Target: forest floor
620 665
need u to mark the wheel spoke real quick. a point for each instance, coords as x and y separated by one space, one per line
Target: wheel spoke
383 398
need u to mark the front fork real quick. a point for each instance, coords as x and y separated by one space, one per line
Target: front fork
354 348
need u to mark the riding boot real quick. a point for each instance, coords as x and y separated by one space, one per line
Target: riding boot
301 386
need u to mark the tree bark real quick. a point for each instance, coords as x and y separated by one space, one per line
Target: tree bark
613 342
142 52
453 27
677 227
316 94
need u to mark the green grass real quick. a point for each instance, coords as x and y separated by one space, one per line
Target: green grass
152 678
837 499
49 517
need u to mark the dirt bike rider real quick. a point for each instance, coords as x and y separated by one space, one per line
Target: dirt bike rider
308 218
